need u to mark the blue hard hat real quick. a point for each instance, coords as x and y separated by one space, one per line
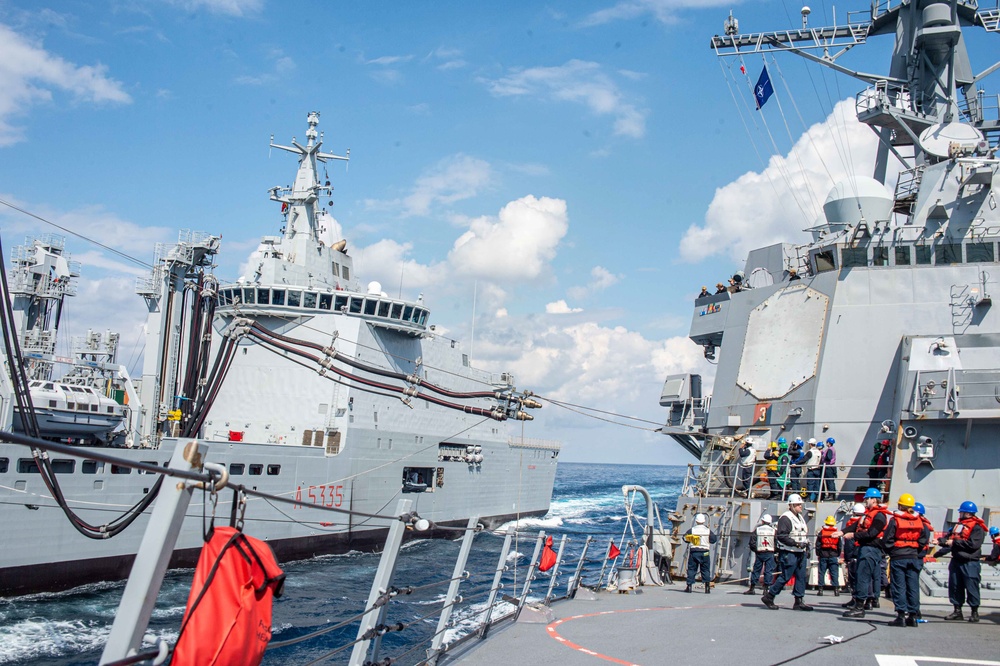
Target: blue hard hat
819 444
798 440
782 440
831 441
994 530
919 508
874 492
968 507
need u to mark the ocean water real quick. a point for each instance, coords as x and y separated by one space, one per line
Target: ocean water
71 627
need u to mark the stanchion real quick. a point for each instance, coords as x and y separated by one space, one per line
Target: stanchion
450 599
555 571
501 567
574 583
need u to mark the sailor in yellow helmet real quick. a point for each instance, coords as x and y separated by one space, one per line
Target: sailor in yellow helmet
771 465
830 552
906 538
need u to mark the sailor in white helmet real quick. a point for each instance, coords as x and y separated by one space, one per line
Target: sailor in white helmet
762 544
792 540
700 538
814 471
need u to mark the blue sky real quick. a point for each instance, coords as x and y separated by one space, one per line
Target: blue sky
581 166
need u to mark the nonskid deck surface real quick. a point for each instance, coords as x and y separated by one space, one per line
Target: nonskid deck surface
667 626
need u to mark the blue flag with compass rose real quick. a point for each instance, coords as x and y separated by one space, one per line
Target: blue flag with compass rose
763 90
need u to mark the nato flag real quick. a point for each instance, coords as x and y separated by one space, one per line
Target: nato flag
763 90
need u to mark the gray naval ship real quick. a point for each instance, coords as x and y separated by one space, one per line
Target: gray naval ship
302 382
880 331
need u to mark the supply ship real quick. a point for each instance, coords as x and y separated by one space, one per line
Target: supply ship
879 331
302 382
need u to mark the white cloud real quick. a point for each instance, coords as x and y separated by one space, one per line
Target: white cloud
389 60
776 204
29 74
517 244
452 179
601 279
560 307
390 263
280 66
580 82
663 11
230 7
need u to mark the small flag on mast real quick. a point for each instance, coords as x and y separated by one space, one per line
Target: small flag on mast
763 90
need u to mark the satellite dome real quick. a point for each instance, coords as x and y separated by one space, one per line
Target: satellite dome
859 198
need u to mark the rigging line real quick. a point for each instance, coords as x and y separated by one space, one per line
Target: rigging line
594 409
119 253
599 418
274 645
808 134
792 153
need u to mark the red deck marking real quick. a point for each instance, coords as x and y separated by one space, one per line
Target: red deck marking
551 628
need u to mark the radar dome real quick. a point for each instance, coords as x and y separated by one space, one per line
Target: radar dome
860 198
375 288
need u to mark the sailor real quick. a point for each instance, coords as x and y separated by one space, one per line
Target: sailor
720 288
994 557
762 545
851 552
784 465
793 275
700 538
771 465
879 466
906 539
745 462
964 571
797 455
868 538
792 540
812 461
704 292
830 551
829 469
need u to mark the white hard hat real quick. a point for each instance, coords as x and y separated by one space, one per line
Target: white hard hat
812 440
859 509
699 519
795 498
766 518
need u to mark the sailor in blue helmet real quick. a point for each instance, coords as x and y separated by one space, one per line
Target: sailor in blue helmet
994 557
964 572
792 540
830 469
868 539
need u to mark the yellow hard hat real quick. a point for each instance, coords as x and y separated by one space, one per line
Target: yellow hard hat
906 499
830 521
774 445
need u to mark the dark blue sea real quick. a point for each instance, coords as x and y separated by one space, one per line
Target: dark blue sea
72 627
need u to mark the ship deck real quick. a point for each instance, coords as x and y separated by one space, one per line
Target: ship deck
665 625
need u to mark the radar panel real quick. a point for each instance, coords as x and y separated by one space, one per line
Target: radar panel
783 339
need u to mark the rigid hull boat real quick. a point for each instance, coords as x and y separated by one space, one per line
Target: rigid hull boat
880 332
302 384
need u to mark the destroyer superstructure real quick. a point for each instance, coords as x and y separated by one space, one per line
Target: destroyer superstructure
303 383
882 328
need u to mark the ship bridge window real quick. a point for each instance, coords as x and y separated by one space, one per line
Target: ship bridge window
4 465
880 256
356 305
948 253
370 306
278 296
236 469
853 257
397 310
49 386
825 261
294 298
383 308
309 300
339 303
27 466
119 469
273 470
249 294
423 317
903 256
63 466
325 301
923 253
90 466
263 296
979 252
416 315
256 470
407 312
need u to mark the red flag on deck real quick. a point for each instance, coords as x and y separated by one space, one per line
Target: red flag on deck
548 556
613 551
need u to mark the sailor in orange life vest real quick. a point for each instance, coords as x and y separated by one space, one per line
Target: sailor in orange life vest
830 551
964 571
906 539
700 538
762 545
868 539
851 551
994 557
792 539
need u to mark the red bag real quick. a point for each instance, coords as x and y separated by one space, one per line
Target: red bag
548 556
228 617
